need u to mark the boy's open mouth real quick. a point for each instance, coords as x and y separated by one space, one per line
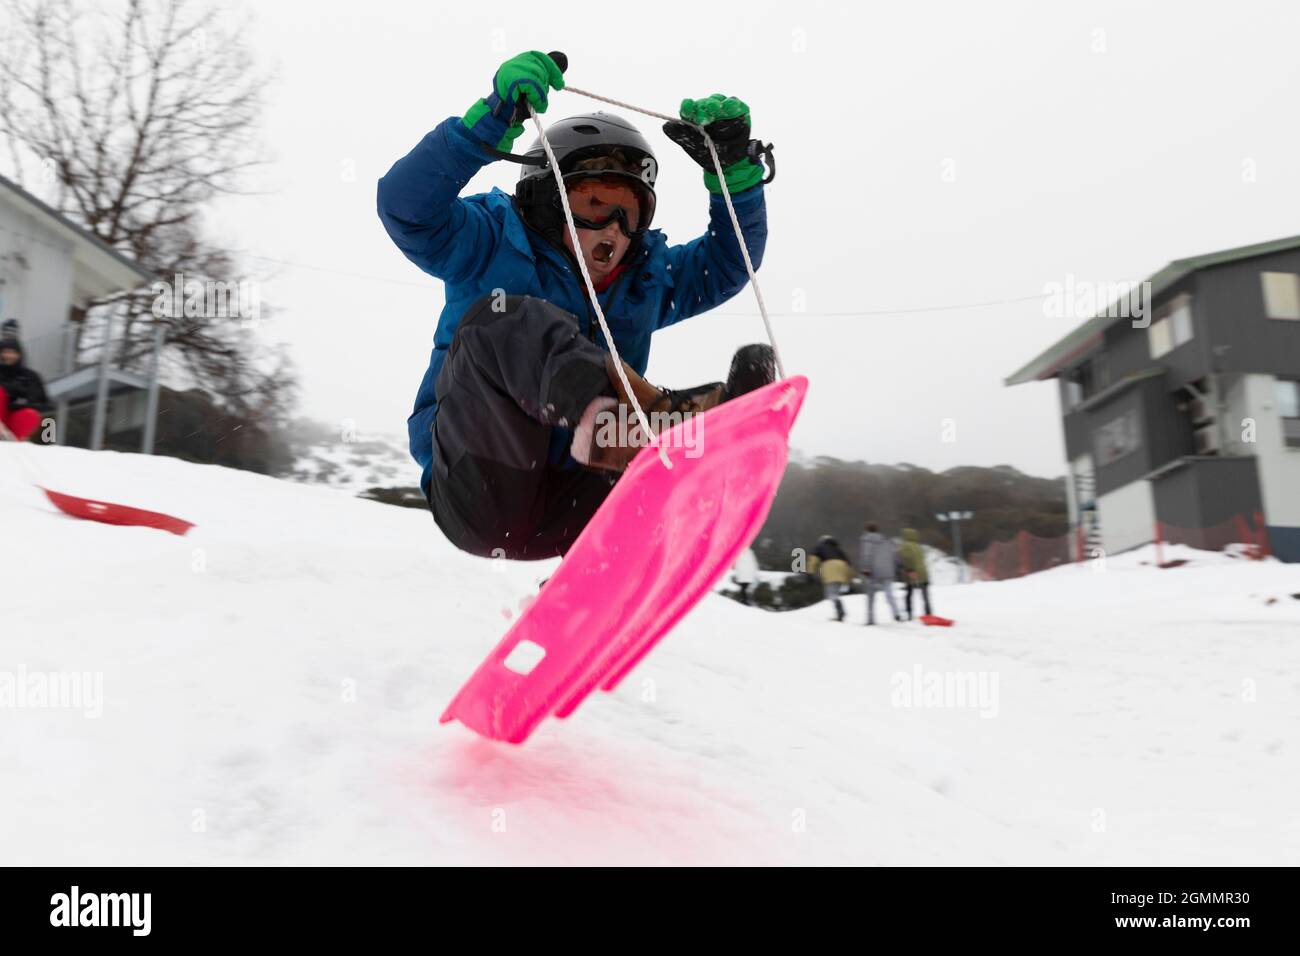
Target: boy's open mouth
603 251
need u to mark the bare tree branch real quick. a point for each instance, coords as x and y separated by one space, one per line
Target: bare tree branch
145 112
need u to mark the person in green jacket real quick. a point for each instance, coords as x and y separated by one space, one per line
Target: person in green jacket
912 557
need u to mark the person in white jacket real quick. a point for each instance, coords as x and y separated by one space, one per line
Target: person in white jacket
744 573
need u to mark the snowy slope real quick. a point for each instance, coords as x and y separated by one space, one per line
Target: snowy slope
272 685
367 461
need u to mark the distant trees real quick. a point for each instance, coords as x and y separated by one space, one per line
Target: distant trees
829 496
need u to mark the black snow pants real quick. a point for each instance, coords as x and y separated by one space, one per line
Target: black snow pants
924 588
517 369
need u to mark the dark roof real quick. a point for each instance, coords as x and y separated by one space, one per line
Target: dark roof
1050 361
80 231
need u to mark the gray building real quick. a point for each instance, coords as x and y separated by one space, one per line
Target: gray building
1186 411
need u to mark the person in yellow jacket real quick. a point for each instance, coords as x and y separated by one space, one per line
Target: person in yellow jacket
829 561
915 575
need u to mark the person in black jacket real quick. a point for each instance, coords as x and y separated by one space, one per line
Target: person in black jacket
22 393
829 561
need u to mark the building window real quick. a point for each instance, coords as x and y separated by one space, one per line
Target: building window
1281 295
1172 326
1288 407
1160 337
1288 398
1085 380
1181 321
1118 437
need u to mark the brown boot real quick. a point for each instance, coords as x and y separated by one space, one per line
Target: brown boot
652 398
752 367
609 435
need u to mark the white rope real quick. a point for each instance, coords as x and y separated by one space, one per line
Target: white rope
744 251
626 106
726 195
591 289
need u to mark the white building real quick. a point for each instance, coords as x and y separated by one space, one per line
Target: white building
51 269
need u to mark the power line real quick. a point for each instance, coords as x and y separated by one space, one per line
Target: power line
339 272
926 308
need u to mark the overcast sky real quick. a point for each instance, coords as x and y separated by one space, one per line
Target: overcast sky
929 155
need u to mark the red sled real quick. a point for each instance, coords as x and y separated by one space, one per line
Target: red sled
934 620
107 512
651 552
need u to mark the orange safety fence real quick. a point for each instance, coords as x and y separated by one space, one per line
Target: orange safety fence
1023 554
1027 553
1247 536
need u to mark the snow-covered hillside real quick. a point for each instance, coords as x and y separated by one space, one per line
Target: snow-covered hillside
367 461
271 686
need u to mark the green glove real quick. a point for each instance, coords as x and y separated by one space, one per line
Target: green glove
726 120
529 76
716 107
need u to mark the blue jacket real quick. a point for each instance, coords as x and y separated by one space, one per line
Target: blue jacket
479 243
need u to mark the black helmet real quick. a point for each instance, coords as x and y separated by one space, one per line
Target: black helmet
574 141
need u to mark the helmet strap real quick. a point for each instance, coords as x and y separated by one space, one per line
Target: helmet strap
513 157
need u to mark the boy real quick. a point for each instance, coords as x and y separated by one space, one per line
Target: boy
505 420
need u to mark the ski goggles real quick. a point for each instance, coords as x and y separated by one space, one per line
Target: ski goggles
596 200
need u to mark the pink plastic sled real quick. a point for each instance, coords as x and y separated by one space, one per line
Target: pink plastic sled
659 542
